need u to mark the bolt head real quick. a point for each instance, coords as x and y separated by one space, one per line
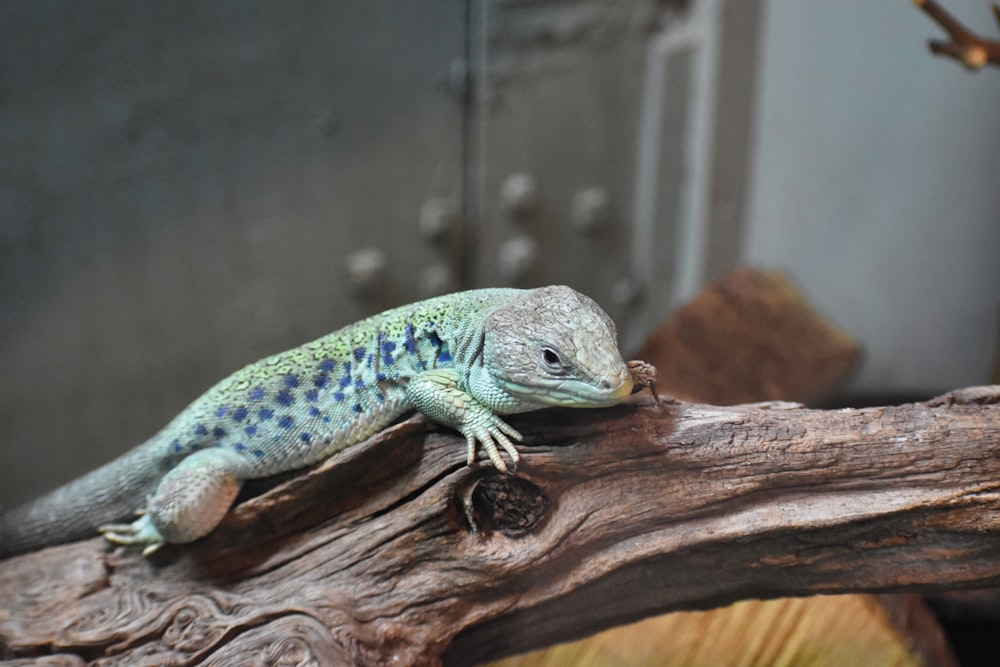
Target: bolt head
591 210
438 216
519 196
516 257
435 279
365 270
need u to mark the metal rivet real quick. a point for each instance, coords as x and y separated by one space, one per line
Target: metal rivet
626 291
591 210
435 279
438 216
519 196
366 269
516 258
456 81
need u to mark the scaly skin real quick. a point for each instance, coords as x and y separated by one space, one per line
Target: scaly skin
460 359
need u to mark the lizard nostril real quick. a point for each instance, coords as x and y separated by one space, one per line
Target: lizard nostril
606 384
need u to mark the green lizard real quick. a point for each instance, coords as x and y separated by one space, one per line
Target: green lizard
460 359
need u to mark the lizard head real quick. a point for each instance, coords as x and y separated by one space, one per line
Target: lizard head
556 347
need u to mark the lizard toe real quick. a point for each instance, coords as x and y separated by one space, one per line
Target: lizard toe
139 532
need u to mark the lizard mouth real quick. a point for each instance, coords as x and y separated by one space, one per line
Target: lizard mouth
572 393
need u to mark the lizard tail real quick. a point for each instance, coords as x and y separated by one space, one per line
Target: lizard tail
113 492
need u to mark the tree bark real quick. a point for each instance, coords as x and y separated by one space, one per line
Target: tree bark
752 336
394 552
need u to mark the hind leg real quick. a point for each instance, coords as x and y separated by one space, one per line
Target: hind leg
188 503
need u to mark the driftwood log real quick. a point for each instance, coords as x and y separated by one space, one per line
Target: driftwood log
752 336
394 552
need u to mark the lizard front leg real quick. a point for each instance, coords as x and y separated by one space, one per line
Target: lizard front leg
188 503
438 395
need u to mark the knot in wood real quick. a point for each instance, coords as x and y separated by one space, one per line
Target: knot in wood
506 504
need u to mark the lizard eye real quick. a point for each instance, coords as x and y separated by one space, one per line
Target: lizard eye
551 358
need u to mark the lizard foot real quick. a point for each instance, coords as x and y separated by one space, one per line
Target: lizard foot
497 431
643 375
438 394
140 532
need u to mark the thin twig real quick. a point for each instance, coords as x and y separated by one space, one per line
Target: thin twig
965 46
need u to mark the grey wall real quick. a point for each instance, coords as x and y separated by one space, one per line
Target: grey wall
180 184
876 185
183 186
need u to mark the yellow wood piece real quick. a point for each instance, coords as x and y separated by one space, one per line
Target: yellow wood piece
835 631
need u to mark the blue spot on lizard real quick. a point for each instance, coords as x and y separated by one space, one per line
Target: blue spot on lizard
410 343
388 347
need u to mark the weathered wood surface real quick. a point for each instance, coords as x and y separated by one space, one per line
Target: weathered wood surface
752 336
614 514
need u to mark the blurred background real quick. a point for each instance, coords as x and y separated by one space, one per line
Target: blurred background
187 187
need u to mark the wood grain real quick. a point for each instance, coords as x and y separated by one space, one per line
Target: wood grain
395 553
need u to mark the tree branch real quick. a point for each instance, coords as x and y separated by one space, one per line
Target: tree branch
965 46
395 552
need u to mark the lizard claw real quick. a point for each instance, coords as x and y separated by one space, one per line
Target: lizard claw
643 375
139 532
490 435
